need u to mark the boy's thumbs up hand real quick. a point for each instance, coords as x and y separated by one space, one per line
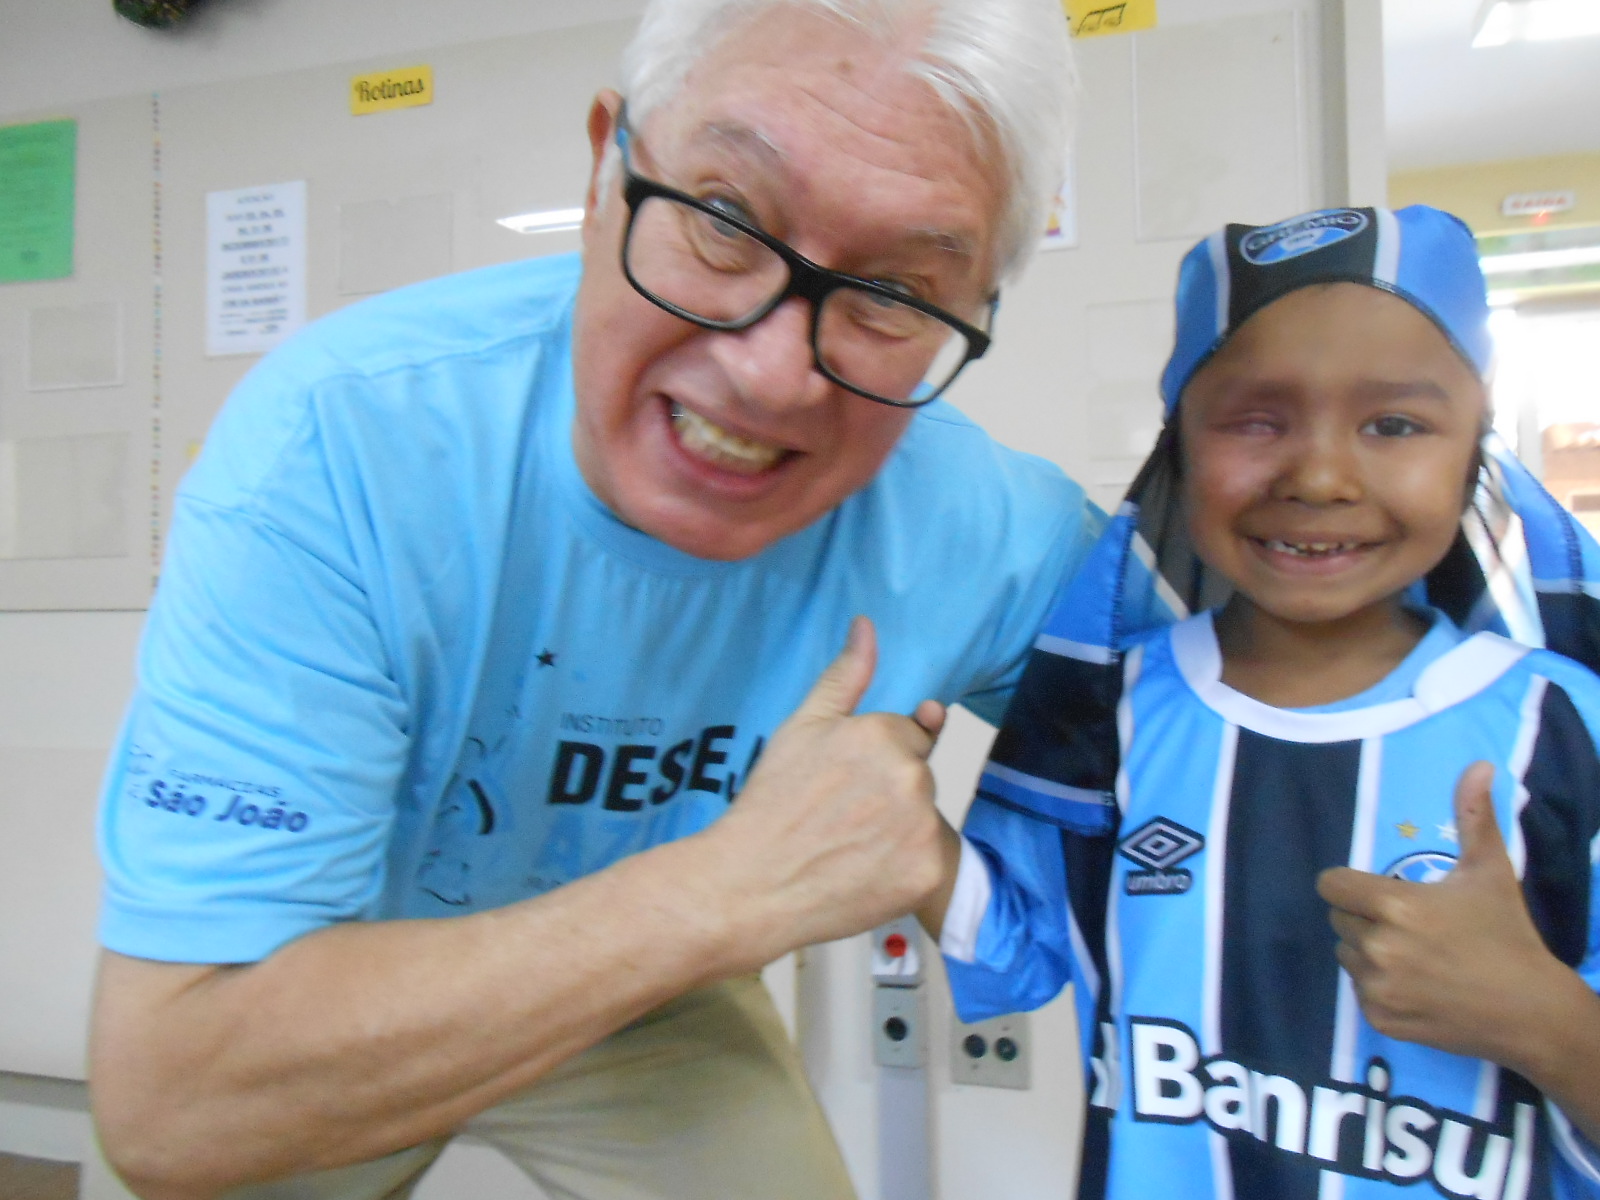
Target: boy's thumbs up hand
1484 858
836 830
1448 964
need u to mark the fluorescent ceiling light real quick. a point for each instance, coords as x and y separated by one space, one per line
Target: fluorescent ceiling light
1506 21
550 221
1541 260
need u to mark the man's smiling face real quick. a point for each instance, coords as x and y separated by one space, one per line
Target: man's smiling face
721 443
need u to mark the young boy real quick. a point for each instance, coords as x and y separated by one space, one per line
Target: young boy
1305 966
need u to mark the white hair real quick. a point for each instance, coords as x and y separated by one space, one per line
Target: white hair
1004 65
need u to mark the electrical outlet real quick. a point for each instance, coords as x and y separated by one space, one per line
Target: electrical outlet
898 1034
992 1053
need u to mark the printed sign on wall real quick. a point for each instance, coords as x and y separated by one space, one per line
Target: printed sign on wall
38 165
1538 204
255 267
1061 225
405 88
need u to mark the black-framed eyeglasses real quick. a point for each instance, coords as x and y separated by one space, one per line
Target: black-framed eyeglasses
705 263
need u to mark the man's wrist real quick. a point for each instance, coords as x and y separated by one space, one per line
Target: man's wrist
686 883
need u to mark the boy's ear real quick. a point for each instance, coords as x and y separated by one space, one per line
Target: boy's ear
1475 469
1474 473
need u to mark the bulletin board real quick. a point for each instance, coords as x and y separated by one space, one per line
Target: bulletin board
106 387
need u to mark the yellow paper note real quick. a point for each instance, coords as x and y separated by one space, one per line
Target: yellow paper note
1094 18
405 88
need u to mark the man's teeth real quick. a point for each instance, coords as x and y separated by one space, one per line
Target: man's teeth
1311 549
700 437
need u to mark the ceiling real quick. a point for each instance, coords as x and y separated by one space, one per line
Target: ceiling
1448 103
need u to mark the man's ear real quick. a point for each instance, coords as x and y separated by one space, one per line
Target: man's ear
603 115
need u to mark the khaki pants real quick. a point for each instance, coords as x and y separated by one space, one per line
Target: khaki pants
702 1099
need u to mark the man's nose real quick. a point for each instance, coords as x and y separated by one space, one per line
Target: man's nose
771 364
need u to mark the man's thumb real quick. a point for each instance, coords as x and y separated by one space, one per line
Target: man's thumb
844 681
1476 826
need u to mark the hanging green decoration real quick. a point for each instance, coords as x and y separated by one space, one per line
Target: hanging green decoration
155 14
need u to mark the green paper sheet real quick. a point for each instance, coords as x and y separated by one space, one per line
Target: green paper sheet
37 200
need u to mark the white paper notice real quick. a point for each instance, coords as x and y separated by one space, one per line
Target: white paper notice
255 267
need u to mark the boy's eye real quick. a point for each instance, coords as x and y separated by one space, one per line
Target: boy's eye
1392 425
1250 425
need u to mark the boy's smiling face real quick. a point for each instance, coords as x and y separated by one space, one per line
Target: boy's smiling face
1327 450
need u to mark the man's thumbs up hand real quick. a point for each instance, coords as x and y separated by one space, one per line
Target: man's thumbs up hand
836 830
845 680
1447 964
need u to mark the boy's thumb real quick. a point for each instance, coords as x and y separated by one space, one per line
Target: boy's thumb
1481 840
844 681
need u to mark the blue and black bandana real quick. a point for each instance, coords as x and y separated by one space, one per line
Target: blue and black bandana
1521 567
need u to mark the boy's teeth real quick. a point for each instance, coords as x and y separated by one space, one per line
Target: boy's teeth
1309 549
700 437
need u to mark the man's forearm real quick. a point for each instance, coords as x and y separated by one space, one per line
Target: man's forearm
364 1038
361 1039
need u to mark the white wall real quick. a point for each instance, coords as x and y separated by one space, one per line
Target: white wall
1072 375
63 680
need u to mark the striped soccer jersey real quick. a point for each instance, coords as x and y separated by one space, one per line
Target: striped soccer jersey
1227 1054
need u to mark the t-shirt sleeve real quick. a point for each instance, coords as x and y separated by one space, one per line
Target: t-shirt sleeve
1081 525
250 796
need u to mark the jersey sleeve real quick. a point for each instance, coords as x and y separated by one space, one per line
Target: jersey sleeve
250 796
1044 816
1023 953
1580 771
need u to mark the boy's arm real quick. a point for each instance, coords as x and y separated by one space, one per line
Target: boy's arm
1460 965
1006 942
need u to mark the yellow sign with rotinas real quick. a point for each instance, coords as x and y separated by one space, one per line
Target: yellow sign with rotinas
405 88
1096 18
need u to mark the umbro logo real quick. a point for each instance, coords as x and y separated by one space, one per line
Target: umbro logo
1159 846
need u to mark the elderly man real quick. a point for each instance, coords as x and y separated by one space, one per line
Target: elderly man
488 597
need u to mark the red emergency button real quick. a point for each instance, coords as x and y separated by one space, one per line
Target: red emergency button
895 945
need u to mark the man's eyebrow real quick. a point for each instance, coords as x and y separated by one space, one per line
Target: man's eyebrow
742 140
749 143
943 239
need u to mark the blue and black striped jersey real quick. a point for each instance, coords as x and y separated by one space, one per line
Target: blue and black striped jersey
1173 881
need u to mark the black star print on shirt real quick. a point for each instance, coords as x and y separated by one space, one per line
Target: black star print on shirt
547 659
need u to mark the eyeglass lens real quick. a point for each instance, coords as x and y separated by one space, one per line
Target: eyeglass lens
715 271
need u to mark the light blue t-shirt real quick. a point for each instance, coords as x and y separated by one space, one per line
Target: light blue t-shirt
403 663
